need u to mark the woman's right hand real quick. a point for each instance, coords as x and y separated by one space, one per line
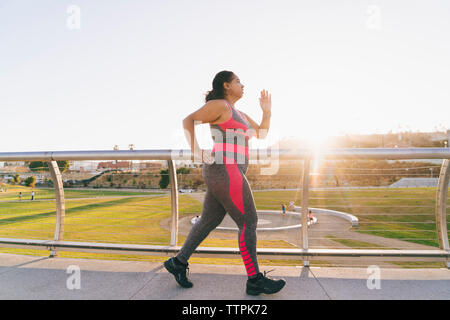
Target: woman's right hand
207 157
203 156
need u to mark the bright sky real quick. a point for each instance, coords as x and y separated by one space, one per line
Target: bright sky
88 75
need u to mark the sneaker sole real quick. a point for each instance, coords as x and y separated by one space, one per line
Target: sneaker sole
173 272
258 292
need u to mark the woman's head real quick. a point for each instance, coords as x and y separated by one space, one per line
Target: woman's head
225 84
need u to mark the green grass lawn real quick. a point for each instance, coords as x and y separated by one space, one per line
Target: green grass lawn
406 214
351 243
41 193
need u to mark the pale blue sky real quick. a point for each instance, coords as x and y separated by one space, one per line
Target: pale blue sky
135 69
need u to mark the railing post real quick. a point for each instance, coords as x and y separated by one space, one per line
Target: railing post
441 207
60 202
174 200
305 195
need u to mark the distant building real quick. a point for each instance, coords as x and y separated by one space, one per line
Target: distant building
14 164
146 165
119 165
185 164
397 145
90 166
6 179
439 136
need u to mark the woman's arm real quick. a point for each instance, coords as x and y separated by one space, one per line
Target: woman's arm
266 105
210 112
261 130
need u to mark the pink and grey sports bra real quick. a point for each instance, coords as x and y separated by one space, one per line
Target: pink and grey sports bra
231 136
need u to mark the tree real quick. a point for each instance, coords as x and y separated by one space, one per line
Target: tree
196 184
16 179
183 171
164 181
43 165
30 181
38 166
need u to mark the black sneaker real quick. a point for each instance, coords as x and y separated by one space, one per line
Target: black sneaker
179 271
263 284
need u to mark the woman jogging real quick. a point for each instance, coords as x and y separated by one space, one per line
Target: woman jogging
224 173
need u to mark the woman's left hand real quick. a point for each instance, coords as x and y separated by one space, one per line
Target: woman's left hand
265 101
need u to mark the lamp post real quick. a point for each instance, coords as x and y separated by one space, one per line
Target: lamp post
116 147
131 146
448 138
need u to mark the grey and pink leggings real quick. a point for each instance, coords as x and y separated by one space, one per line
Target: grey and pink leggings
227 191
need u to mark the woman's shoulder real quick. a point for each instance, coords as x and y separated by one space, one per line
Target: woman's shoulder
218 104
221 106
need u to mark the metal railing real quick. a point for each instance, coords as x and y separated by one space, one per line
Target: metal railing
305 253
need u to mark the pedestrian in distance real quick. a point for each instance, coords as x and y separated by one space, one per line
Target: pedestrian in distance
311 218
291 206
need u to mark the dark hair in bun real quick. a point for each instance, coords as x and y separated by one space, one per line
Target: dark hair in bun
218 91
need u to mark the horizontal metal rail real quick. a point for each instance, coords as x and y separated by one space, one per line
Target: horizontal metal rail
254 154
215 251
271 155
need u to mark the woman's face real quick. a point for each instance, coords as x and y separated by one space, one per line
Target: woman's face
234 87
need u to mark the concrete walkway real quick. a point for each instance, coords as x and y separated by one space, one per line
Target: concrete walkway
29 278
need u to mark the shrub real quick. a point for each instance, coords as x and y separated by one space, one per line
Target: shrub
30 181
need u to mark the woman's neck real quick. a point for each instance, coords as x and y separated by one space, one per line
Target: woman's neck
231 101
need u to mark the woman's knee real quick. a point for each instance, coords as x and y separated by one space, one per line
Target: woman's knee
251 224
251 219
